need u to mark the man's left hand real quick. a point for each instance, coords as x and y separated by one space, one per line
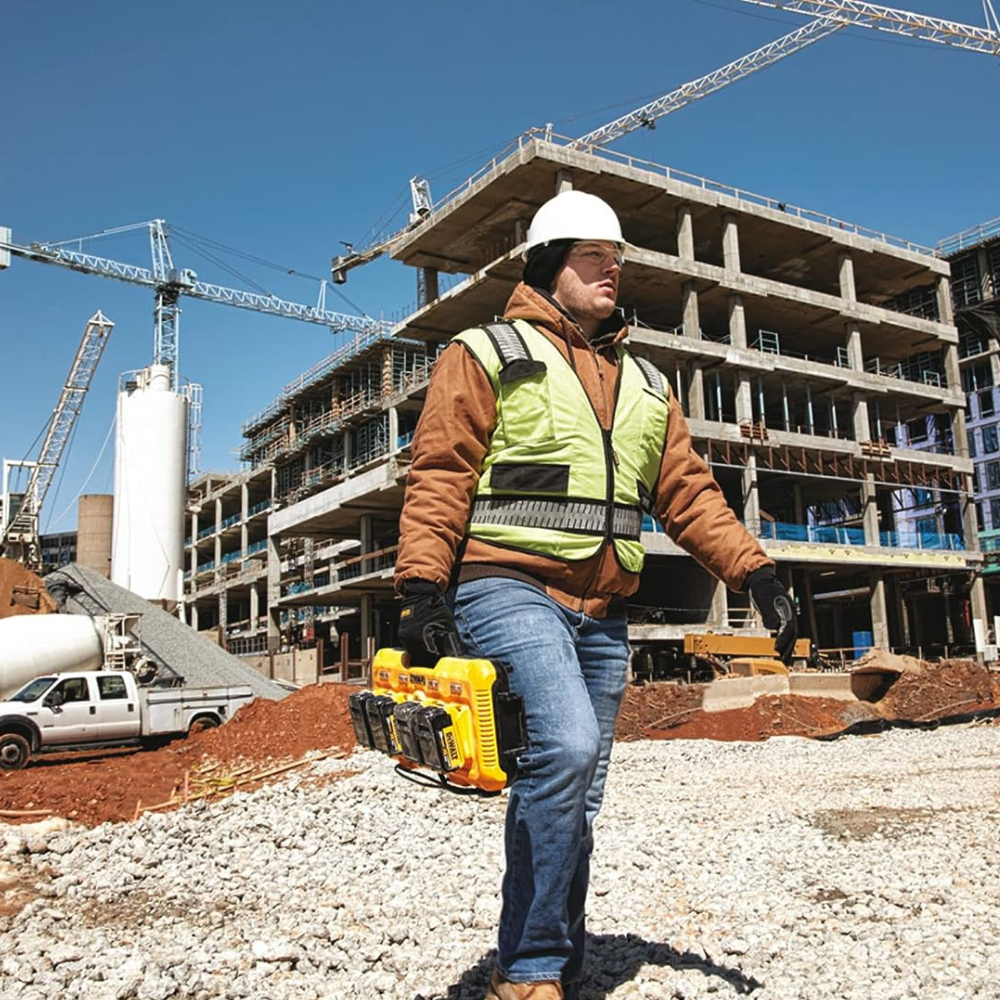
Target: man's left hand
776 610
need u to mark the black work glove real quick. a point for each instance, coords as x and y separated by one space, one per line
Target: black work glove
775 606
427 629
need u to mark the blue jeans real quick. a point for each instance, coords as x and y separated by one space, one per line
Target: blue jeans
571 671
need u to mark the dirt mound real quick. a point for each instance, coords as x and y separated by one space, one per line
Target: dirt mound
22 592
91 786
951 687
266 737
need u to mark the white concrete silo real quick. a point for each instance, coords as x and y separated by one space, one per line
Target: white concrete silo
150 482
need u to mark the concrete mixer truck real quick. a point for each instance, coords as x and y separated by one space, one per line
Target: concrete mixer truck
44 644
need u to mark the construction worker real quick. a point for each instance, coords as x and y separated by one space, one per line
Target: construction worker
542 443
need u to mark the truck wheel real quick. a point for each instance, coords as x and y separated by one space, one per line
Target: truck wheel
202 723
15 752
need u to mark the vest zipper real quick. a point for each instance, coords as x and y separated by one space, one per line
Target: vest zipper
611 463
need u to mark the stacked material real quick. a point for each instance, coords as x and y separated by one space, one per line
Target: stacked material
862 869
181 650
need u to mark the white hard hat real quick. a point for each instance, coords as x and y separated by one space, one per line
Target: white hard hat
574 215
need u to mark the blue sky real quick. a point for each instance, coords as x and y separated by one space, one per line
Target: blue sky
282 129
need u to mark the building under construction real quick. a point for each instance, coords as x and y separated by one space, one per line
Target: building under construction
818 365
974 256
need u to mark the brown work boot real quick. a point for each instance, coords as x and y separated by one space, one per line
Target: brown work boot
500 989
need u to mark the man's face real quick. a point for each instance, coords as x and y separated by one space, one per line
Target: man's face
586 286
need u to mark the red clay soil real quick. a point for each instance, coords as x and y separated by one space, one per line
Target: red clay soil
91 786
22 592
265 736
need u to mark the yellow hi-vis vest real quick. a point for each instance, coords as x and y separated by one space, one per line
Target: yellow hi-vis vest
554 482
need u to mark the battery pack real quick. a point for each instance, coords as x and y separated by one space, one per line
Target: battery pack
457 718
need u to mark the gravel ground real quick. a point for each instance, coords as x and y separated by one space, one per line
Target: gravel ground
862 869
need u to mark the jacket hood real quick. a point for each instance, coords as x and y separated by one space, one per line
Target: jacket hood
538 307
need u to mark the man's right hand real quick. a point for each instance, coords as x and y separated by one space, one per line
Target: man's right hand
776 611
427 629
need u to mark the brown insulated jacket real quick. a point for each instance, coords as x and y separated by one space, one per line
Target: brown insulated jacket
453 436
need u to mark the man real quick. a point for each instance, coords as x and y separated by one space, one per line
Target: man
541 444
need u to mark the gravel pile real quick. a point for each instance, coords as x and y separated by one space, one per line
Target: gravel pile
186 653
862 869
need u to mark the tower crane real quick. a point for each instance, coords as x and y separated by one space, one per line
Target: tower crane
420 193
646 116
831 16
19 538
170 283
900 22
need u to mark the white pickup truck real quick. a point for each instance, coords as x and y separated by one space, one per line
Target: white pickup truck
105 707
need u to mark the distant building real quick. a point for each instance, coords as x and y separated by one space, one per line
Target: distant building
974 256
57 551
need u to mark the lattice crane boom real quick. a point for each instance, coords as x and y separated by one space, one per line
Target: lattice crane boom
687 93
899 22
171 283
21 534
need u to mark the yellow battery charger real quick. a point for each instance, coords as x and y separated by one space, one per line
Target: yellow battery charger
458 718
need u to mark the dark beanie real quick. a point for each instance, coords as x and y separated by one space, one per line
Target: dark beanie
543 263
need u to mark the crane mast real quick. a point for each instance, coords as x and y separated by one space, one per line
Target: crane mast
20 539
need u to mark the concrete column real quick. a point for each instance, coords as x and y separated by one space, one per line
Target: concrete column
696 392
393 428
273 592
798 504
254 605
869 507
718 613
730 243
194 548
859 418
564 182
751 498
685 233
192 613
737 321
995 365
855 353
429 281
244 516
365 534
223 613
848 291
903 615
366 632
880 616
691 314
953 376
977 597
217 548
744 398
946 313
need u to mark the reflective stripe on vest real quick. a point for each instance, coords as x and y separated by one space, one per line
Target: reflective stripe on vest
553 481
585 516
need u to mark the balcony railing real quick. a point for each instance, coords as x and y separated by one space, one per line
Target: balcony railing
921 540
782 531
